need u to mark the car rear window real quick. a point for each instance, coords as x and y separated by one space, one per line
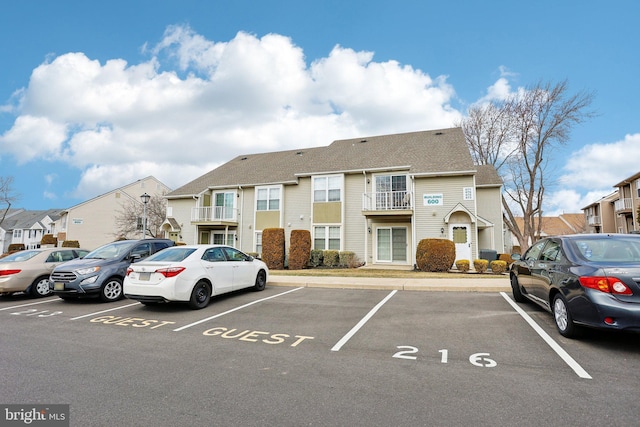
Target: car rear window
171 254
619 250
20 256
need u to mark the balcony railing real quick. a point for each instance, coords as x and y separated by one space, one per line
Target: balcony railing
623 205
214 214
594 220
387 201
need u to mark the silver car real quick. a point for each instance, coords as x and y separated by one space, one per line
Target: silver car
28 271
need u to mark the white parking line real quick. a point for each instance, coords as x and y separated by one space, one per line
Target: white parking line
361 323
31 303
104 311
182 328
554 345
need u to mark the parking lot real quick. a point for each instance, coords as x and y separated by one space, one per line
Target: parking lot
313 356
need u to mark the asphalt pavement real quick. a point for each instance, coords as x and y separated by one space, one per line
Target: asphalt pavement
471 284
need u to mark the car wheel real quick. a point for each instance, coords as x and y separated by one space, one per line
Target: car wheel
40 287
200 296
562 317
111 290
261 281
515 288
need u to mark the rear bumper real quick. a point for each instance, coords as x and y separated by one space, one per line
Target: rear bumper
621 315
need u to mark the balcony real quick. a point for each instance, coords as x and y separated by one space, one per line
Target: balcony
594 220
623 205
388 203
214 215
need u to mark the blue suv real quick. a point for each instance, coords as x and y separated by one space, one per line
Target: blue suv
101 272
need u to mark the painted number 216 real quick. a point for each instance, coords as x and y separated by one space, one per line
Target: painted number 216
477 359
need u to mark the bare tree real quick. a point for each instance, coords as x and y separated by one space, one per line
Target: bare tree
7 196
517 137
129 219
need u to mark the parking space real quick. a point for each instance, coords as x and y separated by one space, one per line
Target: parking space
366 341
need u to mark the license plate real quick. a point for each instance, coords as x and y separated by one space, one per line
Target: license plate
58 286
144 277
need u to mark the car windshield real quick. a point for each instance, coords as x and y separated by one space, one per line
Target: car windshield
110 251
616 250
171 254
19 256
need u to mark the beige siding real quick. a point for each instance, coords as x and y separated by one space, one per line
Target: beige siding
93 223
355 232
181 211
430 219
297 208
327 213
490 208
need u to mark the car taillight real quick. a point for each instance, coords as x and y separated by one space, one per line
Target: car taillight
8 272
171 271
610 285
129 270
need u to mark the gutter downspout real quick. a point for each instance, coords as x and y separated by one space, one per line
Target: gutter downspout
366 225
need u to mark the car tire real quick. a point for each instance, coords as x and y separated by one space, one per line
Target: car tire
111 290
200 295
562 317
40 287
261 281
515 288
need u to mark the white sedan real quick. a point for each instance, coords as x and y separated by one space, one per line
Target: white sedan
192 274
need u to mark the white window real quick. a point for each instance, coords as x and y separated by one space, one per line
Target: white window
467 193
268 199
17 234
326 237
638 187
327 188
259 242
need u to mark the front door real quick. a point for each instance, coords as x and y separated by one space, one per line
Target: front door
461 235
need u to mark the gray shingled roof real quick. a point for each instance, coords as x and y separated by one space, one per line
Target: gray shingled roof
429 152
26 219
487 176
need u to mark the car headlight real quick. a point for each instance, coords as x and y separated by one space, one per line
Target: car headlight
89 270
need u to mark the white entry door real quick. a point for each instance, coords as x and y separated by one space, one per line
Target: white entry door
461 236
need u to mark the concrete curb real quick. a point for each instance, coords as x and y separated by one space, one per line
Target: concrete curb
498 284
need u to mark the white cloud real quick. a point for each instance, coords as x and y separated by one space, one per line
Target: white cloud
603 165
117 122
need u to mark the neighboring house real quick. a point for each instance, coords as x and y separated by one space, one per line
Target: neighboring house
573 223
28 227
93 223
626 207
376 196
600 216
617 212
6 224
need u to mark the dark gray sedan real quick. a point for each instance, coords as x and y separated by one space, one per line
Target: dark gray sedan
583 280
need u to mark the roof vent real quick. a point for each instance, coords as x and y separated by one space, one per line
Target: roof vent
439 133
362 141
243 158
299 153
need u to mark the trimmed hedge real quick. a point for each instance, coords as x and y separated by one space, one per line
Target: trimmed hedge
348 259
435 255
331 258
463 265
48 239
317 258
498 266
480 265
506 258
300 249
273 250
15 247
70 244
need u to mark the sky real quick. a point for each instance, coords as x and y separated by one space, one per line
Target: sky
96 95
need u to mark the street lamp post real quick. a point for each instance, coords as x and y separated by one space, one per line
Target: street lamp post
145 199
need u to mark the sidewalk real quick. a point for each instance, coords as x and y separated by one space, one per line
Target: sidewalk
471 284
